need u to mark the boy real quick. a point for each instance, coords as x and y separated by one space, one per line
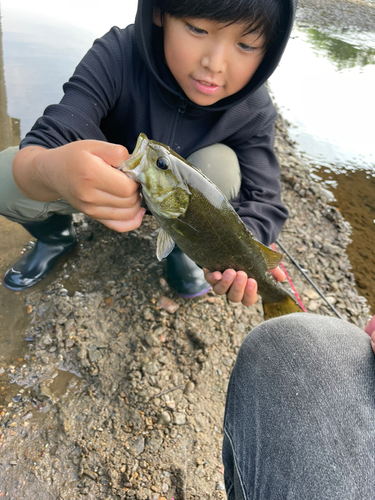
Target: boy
188 74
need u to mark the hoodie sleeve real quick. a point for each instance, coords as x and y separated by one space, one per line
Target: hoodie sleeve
88 97
259 202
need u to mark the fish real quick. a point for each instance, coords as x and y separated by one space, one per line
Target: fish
196 216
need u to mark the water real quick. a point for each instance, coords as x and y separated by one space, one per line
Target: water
324 88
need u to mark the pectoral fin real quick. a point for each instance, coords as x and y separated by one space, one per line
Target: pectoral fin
165 245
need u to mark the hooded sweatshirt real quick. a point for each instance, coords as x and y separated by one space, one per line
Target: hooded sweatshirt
123 87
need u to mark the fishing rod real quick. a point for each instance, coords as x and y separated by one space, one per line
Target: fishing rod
308 279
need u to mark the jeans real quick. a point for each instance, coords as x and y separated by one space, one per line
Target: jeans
300 413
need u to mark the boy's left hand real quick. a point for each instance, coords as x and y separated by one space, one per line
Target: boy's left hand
237 286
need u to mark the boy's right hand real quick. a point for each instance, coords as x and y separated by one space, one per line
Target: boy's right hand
84 174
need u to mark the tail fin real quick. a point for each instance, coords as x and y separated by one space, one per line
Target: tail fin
285 306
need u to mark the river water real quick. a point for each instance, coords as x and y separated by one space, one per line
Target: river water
324 87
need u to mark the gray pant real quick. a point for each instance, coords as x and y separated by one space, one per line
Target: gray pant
300 413
218 162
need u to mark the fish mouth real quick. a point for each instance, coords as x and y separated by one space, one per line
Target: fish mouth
133 165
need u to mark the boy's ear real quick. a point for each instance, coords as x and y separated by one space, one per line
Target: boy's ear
156 17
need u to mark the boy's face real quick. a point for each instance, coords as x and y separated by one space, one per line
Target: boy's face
210 60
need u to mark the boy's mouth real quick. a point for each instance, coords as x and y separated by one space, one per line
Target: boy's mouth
206 87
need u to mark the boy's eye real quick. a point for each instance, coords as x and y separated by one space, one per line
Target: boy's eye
195 30
246 48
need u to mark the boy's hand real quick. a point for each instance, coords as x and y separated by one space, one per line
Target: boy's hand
82 173
370 330
237 286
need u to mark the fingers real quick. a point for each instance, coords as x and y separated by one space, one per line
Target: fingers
100 205
370 330
373 341
278 274
122 226
370 327
98 174
237 286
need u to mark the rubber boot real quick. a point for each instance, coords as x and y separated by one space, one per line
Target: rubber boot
184 276
56 236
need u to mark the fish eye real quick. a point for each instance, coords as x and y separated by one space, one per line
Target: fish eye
162 163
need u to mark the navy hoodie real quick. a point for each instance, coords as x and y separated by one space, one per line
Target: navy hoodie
123 87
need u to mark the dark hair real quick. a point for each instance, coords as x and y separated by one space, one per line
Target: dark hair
259 15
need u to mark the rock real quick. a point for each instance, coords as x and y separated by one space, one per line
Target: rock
44 393
137 445
151 368
94 354
179 418
189 387
153 444
164 418
220 486
168 304
311 294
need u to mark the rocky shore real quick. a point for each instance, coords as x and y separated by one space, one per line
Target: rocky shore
122 393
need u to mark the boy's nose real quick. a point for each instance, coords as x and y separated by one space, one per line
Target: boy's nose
214 59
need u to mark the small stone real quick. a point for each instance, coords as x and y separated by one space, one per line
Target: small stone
45 392
179 418
153 444
219 486
313 305
137 445
151 368
226 361
311 294
199 471
94 354
168 304
164 418
66 425
69 343
189 387
332 300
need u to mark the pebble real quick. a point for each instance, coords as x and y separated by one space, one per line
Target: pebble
164 417
189 387
179 418
220 486
151 368
137 445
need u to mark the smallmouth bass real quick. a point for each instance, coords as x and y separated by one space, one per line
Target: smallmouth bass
194 214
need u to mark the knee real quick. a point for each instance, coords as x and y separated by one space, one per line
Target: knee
220 164
302 340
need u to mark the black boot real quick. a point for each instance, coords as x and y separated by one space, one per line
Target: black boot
56 236
184 276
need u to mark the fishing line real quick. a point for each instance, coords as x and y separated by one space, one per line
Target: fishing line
308 279
291 283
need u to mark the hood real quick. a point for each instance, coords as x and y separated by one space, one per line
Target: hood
149 39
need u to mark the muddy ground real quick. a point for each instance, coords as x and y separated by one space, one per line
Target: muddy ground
121 392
